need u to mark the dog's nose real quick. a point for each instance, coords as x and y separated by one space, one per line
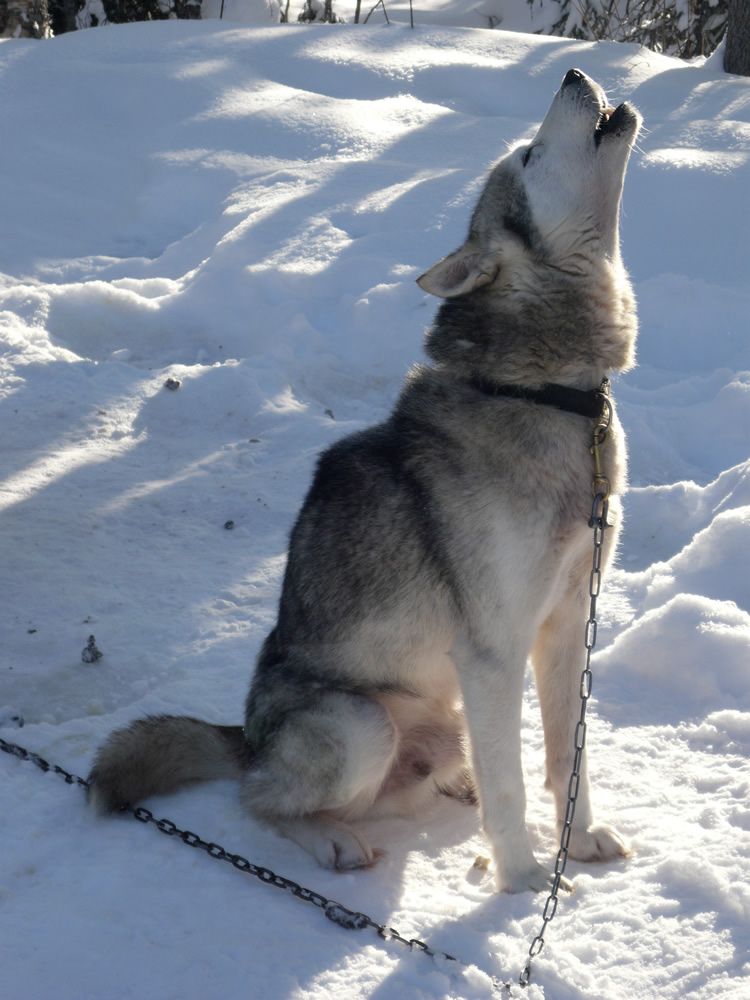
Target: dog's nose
573 76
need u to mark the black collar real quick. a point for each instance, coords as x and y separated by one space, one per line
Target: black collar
592 403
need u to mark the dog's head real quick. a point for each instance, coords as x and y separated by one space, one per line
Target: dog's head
554 202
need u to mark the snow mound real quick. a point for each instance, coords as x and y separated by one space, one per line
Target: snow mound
671 516
714 563
685 658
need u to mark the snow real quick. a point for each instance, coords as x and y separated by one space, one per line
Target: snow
245 210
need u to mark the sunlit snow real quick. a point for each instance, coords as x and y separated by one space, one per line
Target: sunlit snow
245 209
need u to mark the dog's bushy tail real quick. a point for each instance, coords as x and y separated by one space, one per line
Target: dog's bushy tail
160 754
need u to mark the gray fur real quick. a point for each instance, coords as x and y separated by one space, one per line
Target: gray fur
439 550
162 753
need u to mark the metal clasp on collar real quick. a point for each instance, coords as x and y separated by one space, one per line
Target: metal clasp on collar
600 484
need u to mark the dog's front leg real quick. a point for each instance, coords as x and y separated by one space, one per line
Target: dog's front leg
492 687
559 657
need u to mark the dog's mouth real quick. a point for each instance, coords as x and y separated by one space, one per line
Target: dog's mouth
615 122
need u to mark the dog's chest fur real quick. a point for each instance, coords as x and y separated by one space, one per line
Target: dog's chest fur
503 498
491 461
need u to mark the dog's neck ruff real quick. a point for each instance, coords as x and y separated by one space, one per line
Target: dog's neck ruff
593 403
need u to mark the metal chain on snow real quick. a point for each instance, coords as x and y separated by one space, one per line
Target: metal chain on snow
23 754
336 912
598 522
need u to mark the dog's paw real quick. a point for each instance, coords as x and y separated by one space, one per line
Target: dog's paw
333 844
598 843
536 878
342 849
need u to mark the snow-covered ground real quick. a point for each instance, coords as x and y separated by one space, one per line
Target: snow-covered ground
245 210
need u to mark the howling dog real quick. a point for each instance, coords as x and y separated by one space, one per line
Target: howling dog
437 552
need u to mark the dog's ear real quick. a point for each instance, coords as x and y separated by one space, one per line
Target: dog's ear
460 272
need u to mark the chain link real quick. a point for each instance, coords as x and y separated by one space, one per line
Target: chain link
23 754
336 912
598 522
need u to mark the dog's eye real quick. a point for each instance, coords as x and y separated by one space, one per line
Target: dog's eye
526 156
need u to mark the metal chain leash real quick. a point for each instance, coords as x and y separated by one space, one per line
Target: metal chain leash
336 912
23 754
598 522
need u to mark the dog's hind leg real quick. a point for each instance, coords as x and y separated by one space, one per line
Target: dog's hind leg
558 657
324 764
